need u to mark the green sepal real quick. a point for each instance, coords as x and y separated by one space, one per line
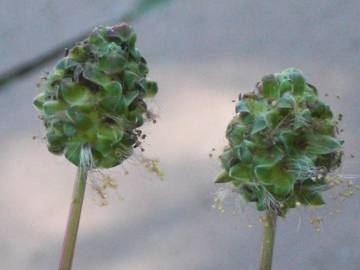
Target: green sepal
69 129
72 153
310 198
66 63
130 78
74 94
129 98
113 89
39 101
151 89
297 79
55 75
97 39
235 132
287 101
241 173
80 120
122 31
56 149
56 140
53 106
292 141
248 192
110 133
227 158
113 62
223 177
95 75
273 118
322 144
259 125
114 104
275 174
243 153
270 87
321 110
109 161
242 107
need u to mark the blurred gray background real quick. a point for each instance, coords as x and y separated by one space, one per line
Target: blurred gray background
202 53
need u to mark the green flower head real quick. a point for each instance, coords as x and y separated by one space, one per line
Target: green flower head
282 144
94 98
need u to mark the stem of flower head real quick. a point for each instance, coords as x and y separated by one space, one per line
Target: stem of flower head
268 241
74 220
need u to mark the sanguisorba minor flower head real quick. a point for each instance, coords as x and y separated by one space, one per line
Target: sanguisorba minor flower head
282 144
93 99
92 105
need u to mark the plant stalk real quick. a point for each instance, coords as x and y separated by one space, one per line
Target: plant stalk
73 220
268 241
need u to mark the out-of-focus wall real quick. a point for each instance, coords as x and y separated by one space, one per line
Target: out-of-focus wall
202 53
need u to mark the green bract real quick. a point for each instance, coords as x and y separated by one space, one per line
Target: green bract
94 97
282 144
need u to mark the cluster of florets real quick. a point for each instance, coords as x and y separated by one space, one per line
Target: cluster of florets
282 144
94 98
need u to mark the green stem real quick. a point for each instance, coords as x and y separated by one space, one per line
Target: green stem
73 221
268 241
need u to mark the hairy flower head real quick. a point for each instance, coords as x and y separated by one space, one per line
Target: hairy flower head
282 144
93 99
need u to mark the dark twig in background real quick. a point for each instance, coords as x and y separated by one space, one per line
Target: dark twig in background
142 7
